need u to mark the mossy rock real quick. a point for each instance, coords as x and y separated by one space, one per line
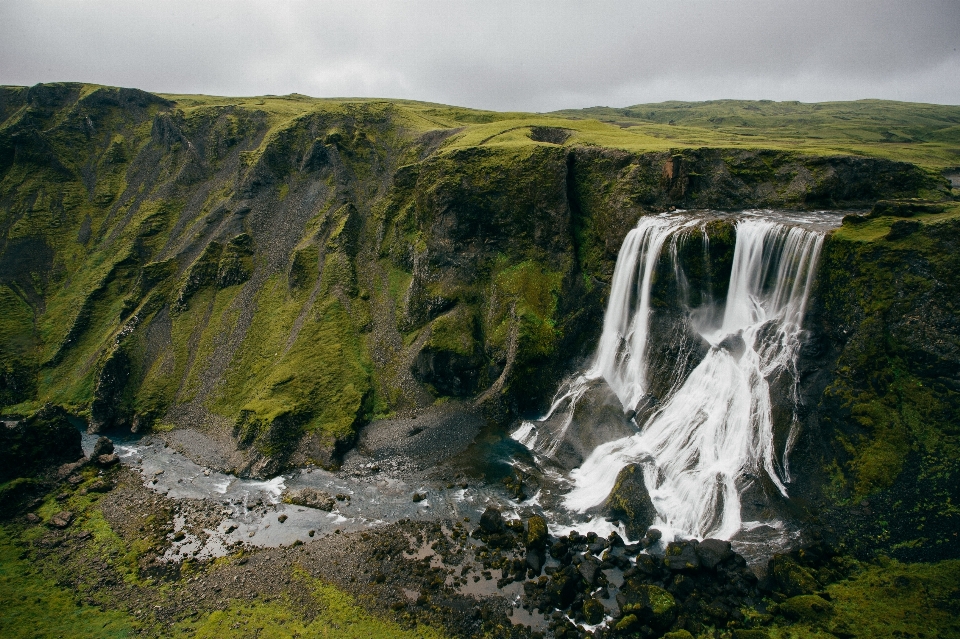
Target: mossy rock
651 604
630 501
791 578
805 608
536 532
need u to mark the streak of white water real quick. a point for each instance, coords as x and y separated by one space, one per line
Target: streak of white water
717 426
621 355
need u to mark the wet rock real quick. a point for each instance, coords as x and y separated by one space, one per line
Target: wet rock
418 497
535 559
615 539
536 532
491 520
589 569
713 551
681 555
734 344
62 519
651 605
593 611
104 446
562 587
654 534
107 460
311 498
282 518
629 501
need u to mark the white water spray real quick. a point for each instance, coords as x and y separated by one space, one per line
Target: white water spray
716 428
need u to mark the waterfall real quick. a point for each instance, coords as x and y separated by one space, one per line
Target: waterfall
702 445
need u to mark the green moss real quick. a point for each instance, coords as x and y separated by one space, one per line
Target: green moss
32 605
334 614
889 599
454 332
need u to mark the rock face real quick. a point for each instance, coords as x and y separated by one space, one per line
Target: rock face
38 442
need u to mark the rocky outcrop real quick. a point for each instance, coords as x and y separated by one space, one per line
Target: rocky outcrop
38 442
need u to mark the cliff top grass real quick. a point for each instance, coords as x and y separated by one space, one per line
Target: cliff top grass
925 134
879 228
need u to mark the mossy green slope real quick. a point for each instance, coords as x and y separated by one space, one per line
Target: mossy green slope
888 407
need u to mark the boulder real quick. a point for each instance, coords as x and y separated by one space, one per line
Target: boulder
536 532
104 446
535 559
62 519
107 460
629 501
652 605
491 520
589 569
713 552
311 498
805 608
593 611
681 555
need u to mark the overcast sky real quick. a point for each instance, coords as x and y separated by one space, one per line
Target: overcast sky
531 56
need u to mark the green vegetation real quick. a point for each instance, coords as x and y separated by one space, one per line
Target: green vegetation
34 606
336 615
885 599
927 134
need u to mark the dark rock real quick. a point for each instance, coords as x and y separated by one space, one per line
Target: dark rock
654 534
734 344
589 569
491 520
535 559
107 460
615 539
593 611
44 439
713 551
681 555
68 469
418 497
104 446
629 501
651 605
282 518
62 519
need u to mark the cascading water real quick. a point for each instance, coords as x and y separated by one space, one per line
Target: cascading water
713 433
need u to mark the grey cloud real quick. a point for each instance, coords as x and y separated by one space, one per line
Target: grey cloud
503 55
